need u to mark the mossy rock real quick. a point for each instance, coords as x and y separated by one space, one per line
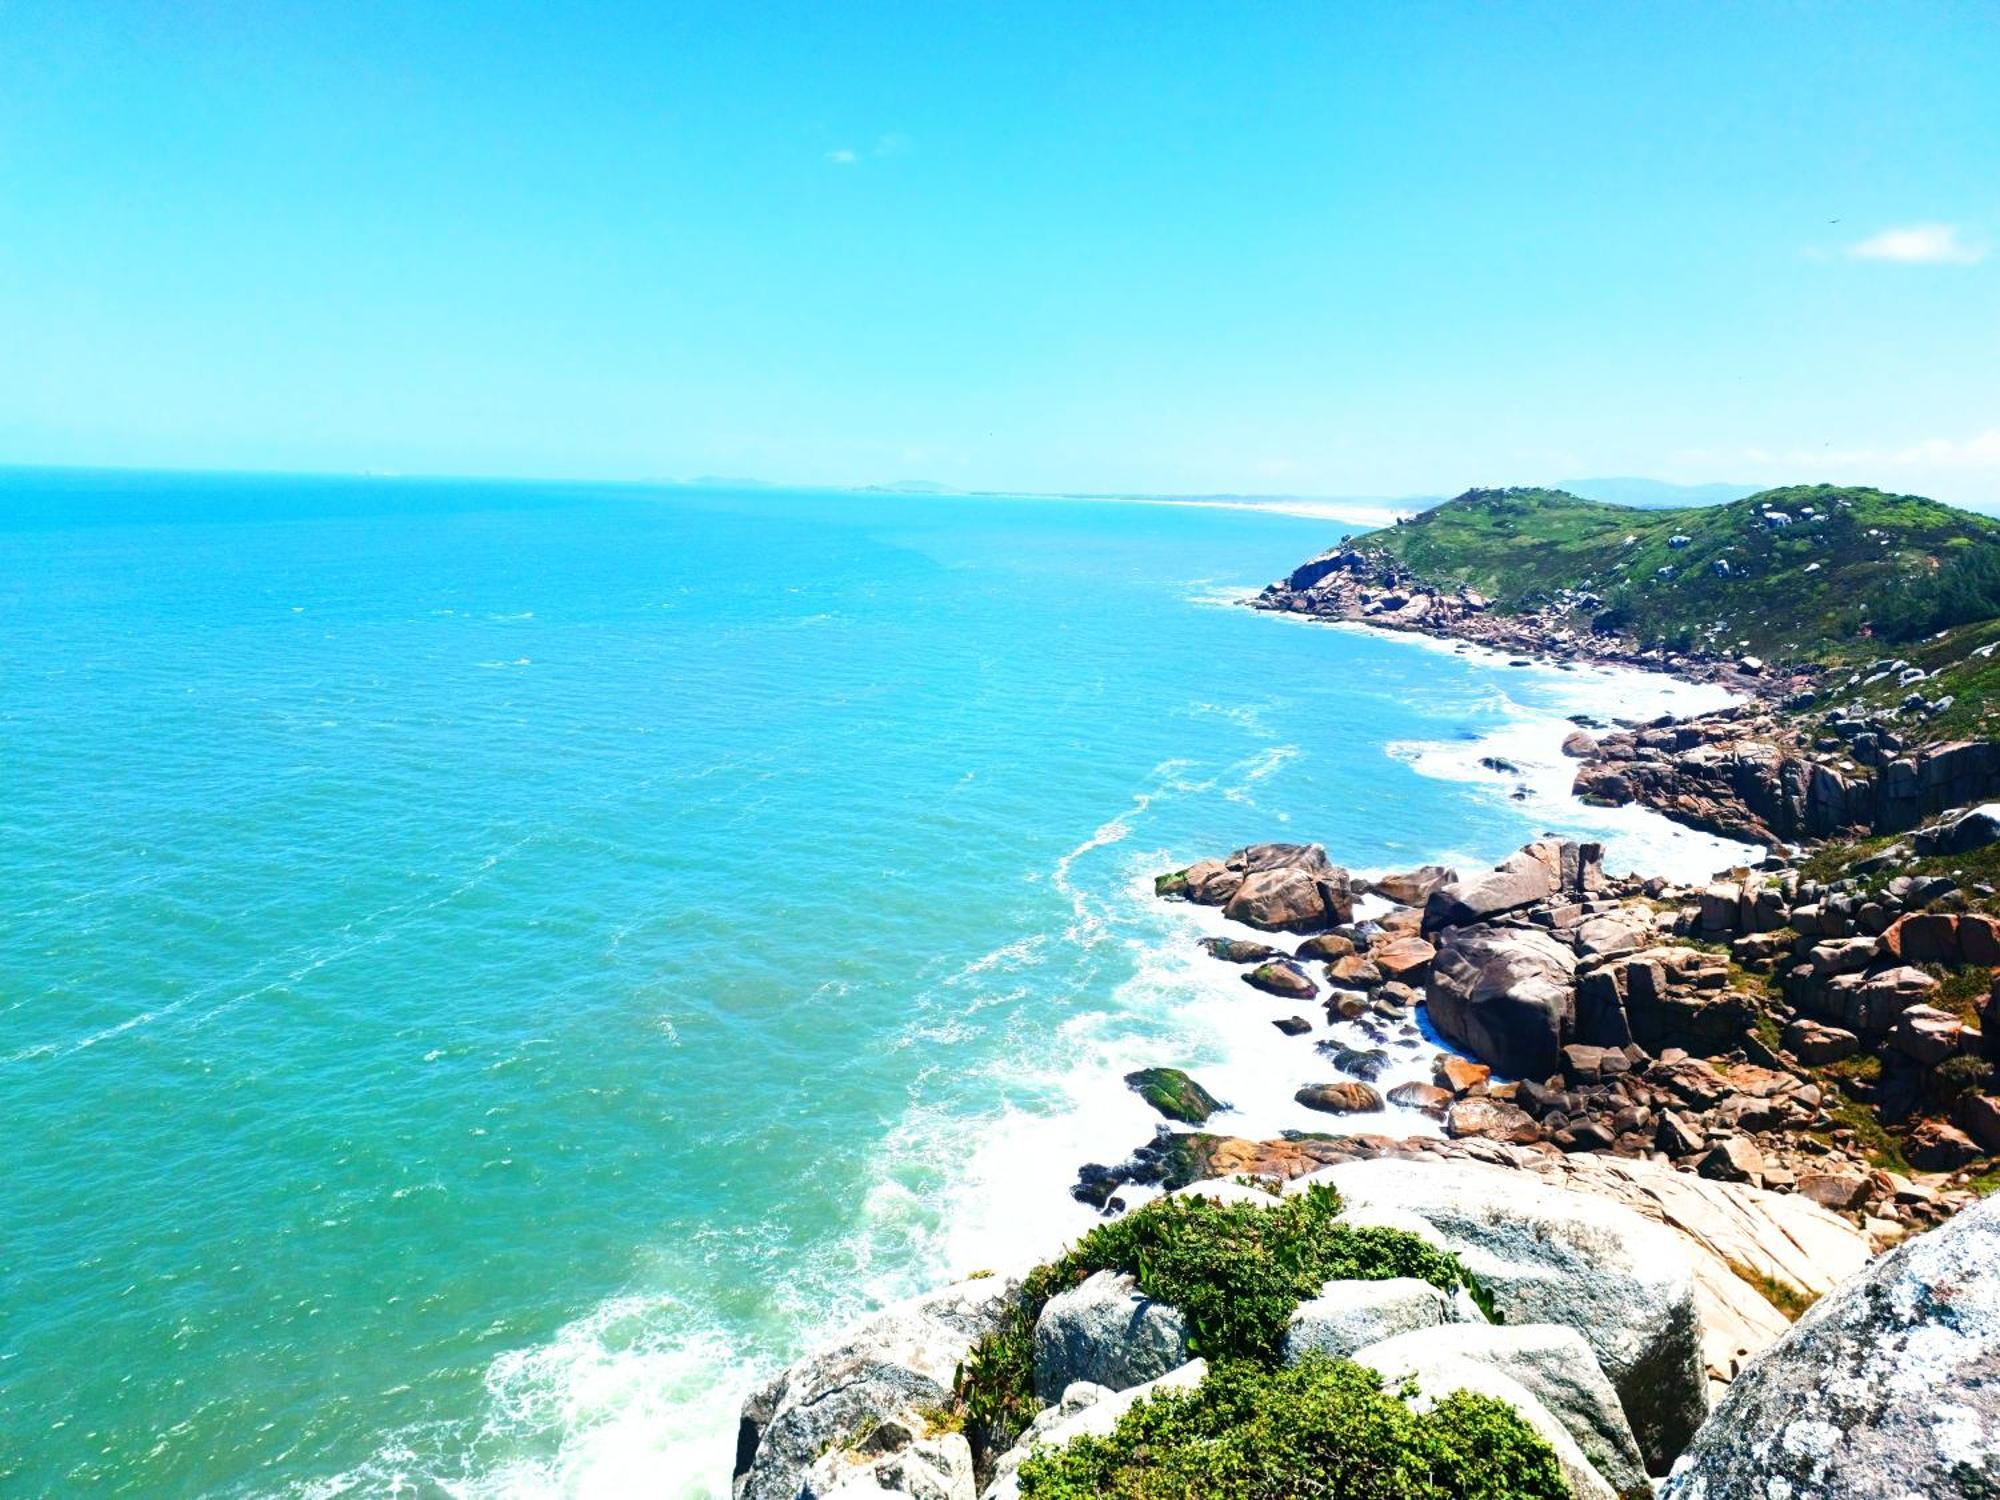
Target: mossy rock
1173 883
1174 1094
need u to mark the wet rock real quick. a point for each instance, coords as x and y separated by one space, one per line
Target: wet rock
1174 1094
1326 946
1284 979
1293 1025
1239 950
1492 1120
1427 1097
1346 1098
1366 1064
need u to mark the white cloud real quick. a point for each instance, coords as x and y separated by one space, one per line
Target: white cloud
842 158
1919 245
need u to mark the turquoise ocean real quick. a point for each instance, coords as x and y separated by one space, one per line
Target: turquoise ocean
488 969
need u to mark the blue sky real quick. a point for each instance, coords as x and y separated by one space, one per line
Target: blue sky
1334 249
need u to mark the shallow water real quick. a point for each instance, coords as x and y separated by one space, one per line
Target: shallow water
485 969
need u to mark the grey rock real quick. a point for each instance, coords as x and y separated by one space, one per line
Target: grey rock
901 1358
1549 1255
1973 829
1889 1386
1346 1315
1106 1332
1557 1367
1535 873
899 1456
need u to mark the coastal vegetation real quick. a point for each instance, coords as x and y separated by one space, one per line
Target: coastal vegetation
1235 1272
1321 1427
1803 572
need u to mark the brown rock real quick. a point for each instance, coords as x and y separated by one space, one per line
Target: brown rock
1926 1035
1491 1120
1210 882
1406 959
1837 1188
1735 1160
1934 1146
1339 1098
1462 1075
1578 745
1978 1115
1979 939
1927 937
1328 946
1677 1136
1354 972
1414 887
1815 1044
1427 1097
1286 980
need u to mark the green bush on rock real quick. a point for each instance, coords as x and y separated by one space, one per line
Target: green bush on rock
1322 1428
1235 1271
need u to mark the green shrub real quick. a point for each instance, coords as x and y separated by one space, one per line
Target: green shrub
1235 1271
1323 1428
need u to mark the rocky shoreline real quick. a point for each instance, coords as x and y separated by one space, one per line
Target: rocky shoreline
1667 1120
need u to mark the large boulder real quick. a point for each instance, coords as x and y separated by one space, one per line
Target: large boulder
1888 1387
1549 1255
900 1359
1106 1332
1558 1369
1544 869
1288 888
1413 887
1505 994
1961 833
1346 1315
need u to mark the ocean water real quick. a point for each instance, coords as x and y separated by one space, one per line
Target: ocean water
488 969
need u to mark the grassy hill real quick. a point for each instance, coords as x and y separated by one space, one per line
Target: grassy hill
1807 572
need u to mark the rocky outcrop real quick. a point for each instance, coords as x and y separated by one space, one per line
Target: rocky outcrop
1547 1256
902 1358
1536 874
1505 994
898 1455
1106 1332
1888 1386
1275 887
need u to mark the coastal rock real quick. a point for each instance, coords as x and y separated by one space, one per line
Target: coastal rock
1414 887
1427 1097
1288 887
1085 1410
1347 1315
1239 950
1438 1369
1405 960
1106 1332
1534 873
1888 1386
1283 979
1548 1255
902 1358
1174 1094
1339 1098
1554 1364
1329 947
1492 1120
1507 995
897 1457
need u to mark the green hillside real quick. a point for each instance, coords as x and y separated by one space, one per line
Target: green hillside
1807 572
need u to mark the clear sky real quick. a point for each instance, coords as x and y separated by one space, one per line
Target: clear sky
1309 248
